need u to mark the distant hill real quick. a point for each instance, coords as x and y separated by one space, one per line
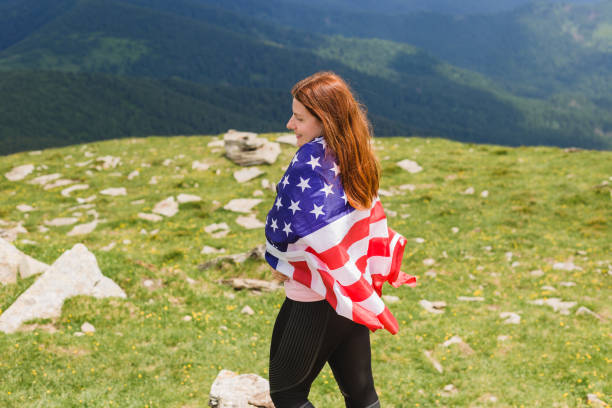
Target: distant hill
91 69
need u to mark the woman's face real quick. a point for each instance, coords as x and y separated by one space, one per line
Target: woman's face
304 124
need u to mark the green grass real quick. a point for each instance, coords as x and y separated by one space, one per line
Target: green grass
545 205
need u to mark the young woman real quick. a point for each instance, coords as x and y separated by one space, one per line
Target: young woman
328 239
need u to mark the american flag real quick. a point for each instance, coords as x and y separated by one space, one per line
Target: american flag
317 238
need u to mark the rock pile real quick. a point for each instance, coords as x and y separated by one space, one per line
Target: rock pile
246 149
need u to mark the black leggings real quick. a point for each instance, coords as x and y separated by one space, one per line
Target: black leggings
305 336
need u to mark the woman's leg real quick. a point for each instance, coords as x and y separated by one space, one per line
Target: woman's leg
296 354
351 363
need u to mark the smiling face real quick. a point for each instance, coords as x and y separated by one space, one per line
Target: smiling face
305 125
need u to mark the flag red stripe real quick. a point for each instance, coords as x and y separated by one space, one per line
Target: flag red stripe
359 291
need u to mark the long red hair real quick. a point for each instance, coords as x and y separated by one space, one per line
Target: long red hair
347 132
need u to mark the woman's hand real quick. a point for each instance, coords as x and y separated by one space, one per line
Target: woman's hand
277 276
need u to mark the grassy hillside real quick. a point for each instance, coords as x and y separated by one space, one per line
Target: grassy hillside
145 45
544 206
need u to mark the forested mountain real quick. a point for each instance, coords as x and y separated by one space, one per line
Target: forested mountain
80 70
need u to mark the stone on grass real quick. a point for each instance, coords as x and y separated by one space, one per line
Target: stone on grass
150 217
252 284
468 191
566 266
247 310
594 401
188 198
83 229
200 166
66 192
133 175
86 200
230 390
247 174
288 138
114 191
410 166
470 298
511 317
87 328
74 273
10 234
585 310
249 222
463 346
242 205
536 273
44 179
168 207
246 149
429 262
567 284
433 361
61 221
436 307
557 304
256 253
211 250
217 230
19 172
449 390
390 298
13 262
25 208
108 162
484 194
59 183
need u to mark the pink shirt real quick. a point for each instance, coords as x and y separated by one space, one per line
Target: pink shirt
300 293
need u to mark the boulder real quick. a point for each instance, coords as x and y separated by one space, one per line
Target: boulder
13 262
230 390
74 273
246 149
19 172
168 207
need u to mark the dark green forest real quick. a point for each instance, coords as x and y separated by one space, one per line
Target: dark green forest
73 71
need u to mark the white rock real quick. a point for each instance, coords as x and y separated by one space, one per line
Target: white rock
109 162
137 202
556 303
168 207
108 247
83 229
536 273
66 192
471 298
249 222
86 200
419 240
19 172
431 273
200 166
44 179
409 187
58 183
246 149
242 205
87 328
484 194
187 318
455 230
436 307
449 390
83 164
503 337
288 138
211 250
216 143
429 261
247 174
410 166
549 288
61 221
114 191
566 266
217 230
433 361
258 193
150 217
75 272
594 401
14 262
585 310
153 180
25 208
133 175
511 317
230 390
188 198
390 298
385 193
247 310
468 191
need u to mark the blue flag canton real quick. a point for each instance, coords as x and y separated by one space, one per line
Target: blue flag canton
309 196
